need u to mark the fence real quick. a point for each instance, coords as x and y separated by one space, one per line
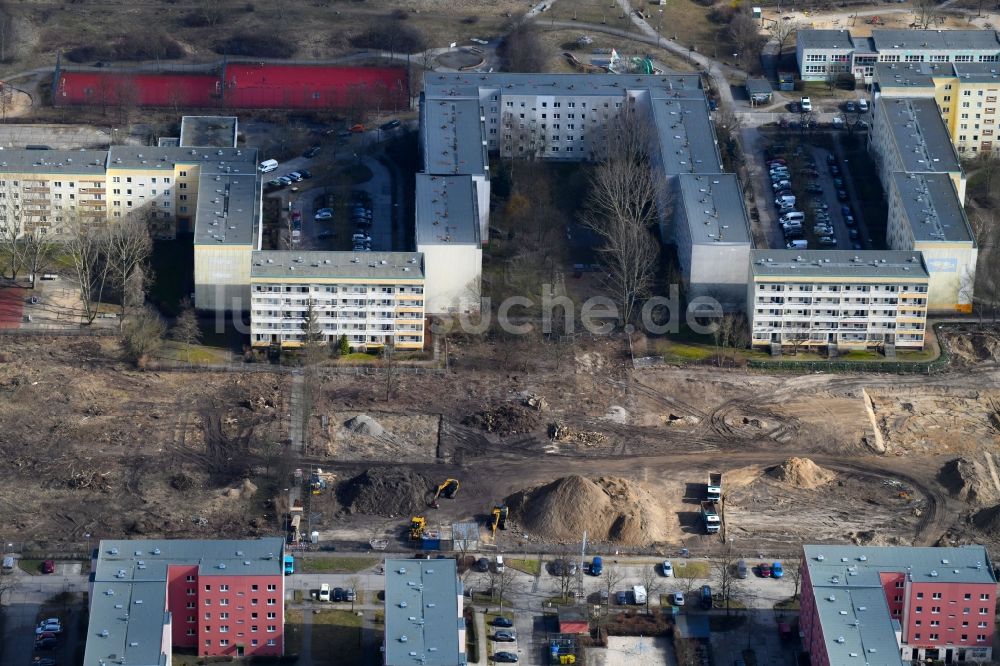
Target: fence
57 332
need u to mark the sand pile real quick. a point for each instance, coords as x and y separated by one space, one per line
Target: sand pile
385 492
610 509
802 473
365 425
969 480
504 420
246 490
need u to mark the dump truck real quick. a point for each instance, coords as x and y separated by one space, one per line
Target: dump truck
714 493
417 526
710 514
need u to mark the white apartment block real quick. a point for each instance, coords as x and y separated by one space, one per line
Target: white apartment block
837 300
822 53
926 215
373 298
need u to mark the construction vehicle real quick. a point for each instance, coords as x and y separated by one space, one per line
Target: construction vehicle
714 493
875 20
448 489
417 526
710 514
320 481
498 519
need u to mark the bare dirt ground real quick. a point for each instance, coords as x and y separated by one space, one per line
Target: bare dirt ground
89 445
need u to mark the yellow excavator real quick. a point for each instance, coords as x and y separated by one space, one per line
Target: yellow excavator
446 490
417 526
498 519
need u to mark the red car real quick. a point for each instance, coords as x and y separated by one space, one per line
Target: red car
764 569
48 566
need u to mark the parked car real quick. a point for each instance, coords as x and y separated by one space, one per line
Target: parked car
863 105
776 570
324 592
323 215
667 568
827 240
838 183
849 106
500 621
741 569
312 152
834 170
505 657
806 104
48 566
504 636
284 180
677 599
482 565
305 173
339 594
391 125
621 598
849 220
350 594
841 195
852 234
764 570
706 597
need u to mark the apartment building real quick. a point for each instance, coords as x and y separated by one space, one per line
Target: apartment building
824 53
713 238
837 300
371 297
424 625
448 235
926 215
890 605
965 93
220 598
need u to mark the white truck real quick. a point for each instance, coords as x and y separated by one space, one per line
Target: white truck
714 493
639 594
710 514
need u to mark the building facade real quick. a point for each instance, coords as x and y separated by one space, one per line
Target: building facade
373 298
424 625
897 604
221 598
834 300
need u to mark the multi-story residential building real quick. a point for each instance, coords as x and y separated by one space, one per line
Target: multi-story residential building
424 625
908 135
822 53
371 297
926 215
448 237
837 300
966 95
878 605
713 238
220 598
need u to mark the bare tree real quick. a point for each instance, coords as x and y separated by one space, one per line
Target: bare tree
612 579
781 32
926 13
564 579
128 249
622 211
39 251
522 50
186 329
745 35
86 247
729 586
354 583
650 580
143 335
389 365
987 164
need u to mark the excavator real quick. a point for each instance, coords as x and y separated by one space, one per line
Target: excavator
447 490
417 526
498 519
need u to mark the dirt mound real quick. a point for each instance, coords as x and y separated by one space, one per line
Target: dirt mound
610 509
802 473
385 492
504 420
969 480
365 425
988 519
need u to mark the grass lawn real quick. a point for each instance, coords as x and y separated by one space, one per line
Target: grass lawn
336 564
33 567
559 601
791 603
355 357
688 569
531 567
178 351
337 632
293 631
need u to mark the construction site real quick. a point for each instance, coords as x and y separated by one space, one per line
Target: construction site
530 456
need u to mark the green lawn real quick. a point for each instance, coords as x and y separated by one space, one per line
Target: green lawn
33 567
201 354
336 564
687 569
531 567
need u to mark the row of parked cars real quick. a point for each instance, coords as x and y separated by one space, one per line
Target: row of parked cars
284 181
48 634
361 218
335 594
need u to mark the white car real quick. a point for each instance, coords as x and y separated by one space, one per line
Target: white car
806 105
678 599
668 569
324 592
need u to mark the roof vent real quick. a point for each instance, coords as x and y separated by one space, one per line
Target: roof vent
403 638
862 558
820 558
138 601
841 639
934 574
109 592
944 561
104 633
156 551
831 598
402 604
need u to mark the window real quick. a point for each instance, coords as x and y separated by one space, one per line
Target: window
272 616
183 174
271 628
935 609
183 186
271 642
254 642
223 602
223 643
984 597
190 604
984 611
935 623
934 637
920 595
208 616
254 587
272 601
224 629
936 595
916 637
128 179
190 592
223 616
190 579
272 587
190 632
918 609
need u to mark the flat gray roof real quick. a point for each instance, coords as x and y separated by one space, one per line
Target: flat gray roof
228 208
213 131
447 211
857 624
422 621
932 207
229 160
960 564
130 580
825 39
714 209
440 84
685 135
982 72
840 264
453 137
71 162
920 135
759 87
321 264
936 40
908 75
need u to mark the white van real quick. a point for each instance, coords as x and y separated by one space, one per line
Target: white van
785 200
794 216
8 564
499 565
268 165
798 245
863 105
